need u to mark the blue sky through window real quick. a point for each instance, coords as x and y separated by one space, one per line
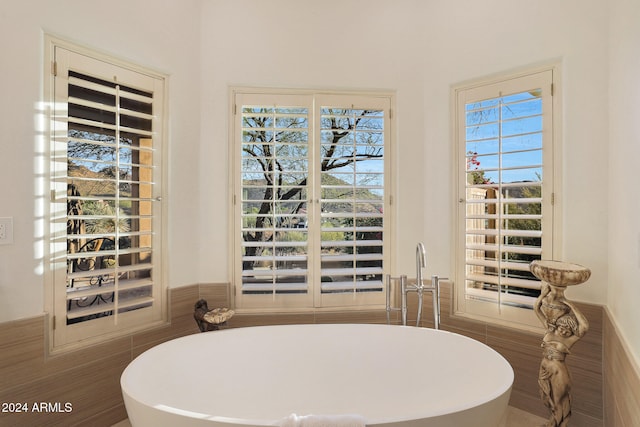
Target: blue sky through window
504 137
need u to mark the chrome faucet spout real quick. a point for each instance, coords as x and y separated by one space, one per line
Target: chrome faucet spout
421 262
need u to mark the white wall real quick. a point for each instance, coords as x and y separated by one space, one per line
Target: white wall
417 48
163 35
473 39
624 202
420 49
290 44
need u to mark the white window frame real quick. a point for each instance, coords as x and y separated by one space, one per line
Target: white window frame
314 298
482 305
61 56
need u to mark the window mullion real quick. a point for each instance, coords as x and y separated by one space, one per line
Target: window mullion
116 239
501 205
315 184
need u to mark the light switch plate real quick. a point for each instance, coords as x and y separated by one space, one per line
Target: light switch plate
6 231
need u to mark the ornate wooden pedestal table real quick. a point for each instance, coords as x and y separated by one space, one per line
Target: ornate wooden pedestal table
564 325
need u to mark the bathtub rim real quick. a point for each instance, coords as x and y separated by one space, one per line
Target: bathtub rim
499 393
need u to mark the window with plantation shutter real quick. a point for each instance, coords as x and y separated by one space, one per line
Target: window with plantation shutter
275 197
352 199
106 182
505 192
311 199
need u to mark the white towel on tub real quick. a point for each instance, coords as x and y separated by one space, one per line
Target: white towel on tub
348 420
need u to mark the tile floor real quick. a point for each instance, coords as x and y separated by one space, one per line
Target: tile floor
515 418
519 418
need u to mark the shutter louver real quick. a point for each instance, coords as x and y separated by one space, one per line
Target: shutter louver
504 194
352 199
110 179
274 173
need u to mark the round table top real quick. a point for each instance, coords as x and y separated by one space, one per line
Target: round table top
559 273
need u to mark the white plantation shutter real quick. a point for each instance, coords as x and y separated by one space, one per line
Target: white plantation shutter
107 162
352 199
506 187
274 199
310 200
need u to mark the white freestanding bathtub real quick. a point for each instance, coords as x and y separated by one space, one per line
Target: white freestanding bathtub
257 376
